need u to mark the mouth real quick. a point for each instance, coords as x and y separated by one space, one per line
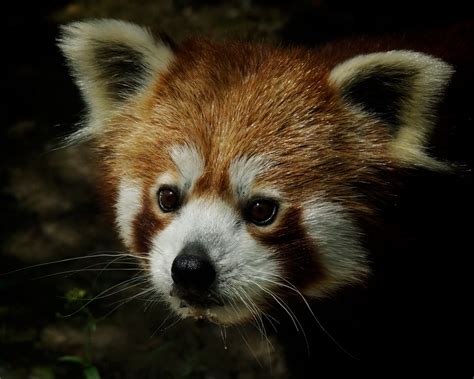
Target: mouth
196 299
208 306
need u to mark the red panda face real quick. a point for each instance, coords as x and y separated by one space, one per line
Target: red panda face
236 168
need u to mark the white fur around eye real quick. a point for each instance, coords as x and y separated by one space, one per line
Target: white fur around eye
127 207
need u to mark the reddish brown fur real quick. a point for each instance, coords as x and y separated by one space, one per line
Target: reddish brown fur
279 105
236 99
296 251
146 225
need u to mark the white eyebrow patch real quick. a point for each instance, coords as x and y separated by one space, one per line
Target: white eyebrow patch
243 171
128 206
189 163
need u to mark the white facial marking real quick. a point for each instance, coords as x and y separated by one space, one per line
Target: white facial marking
128 206
243 171
243 266
189 162
338 240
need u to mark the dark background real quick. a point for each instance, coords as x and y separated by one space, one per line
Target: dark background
50 213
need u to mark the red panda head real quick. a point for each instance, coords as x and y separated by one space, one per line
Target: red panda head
236 168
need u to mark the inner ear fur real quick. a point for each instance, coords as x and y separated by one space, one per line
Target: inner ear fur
401 89
111 61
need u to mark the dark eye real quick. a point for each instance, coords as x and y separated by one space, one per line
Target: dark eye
262 211
168 199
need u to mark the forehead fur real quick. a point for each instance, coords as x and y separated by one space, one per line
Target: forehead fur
237 100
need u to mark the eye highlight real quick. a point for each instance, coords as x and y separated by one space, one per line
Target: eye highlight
168 199
261 212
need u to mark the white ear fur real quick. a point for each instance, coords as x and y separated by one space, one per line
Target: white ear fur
415 80
111 60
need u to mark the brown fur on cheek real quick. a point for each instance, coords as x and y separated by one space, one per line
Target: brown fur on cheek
295 250
146 226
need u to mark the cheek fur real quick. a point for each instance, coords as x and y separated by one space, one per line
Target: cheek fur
318 247
127 207
340 250
295 250
145 226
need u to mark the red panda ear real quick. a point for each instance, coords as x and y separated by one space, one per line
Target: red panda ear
401 89
111 61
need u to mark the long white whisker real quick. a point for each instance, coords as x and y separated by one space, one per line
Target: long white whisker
270 318
150 302
293 288
129 284
85 270
234 307
278 300
223 336
173 323
248 346
100 255
101 295
254 312
110 263
264 333
127 301
287 309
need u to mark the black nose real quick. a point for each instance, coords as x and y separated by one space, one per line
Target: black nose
192 269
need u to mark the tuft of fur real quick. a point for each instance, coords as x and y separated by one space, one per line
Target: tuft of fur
111 61
401 87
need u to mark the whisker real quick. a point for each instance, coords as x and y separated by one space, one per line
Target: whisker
100 255
278 300
255 314
260 314
150 302
163 330
223 336
126 301
84 270
295 289
288 310
160 327
112 262
129 284
133 297
57 262
241 332
269 318
101 295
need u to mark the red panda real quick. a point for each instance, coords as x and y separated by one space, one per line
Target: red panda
249 175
